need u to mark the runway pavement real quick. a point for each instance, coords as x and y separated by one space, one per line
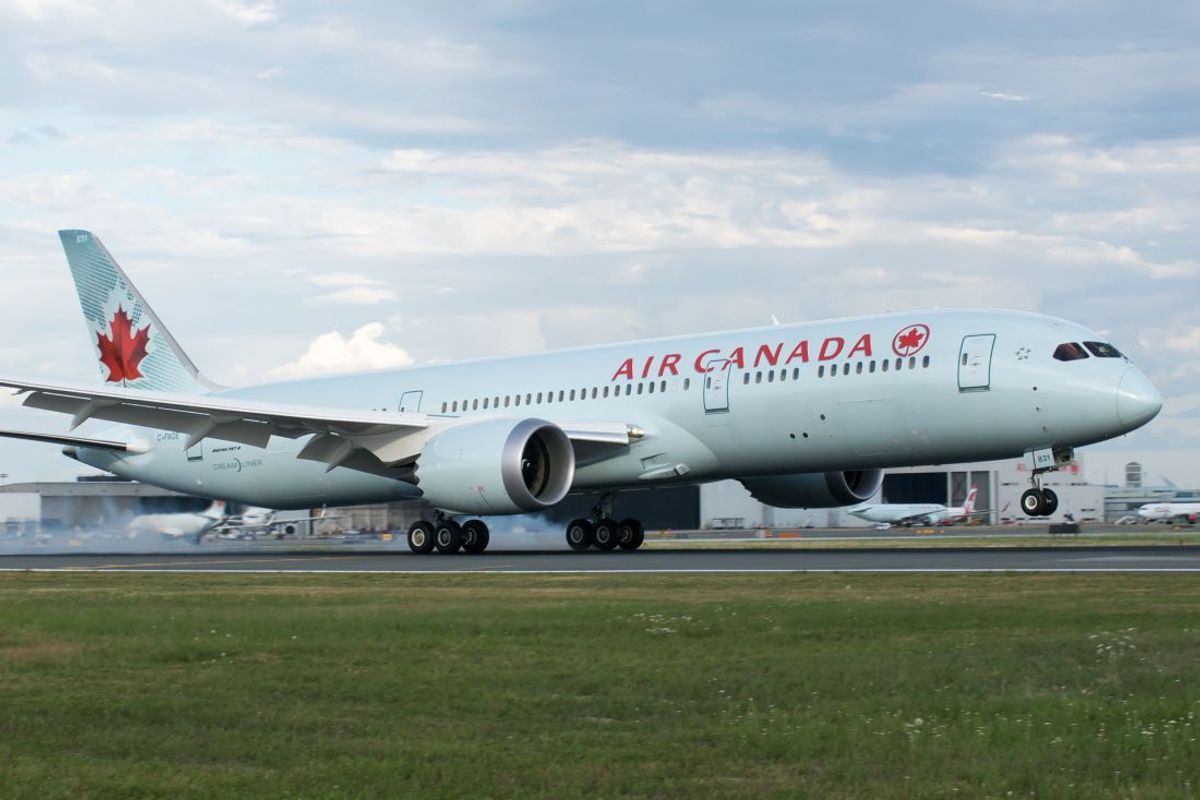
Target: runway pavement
949 559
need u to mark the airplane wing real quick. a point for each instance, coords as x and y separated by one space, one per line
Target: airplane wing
370 441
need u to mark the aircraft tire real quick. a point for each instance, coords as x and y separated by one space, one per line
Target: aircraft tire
1049 502
632 534
580 534
475 536
447 536
607 533
420 537
1032 502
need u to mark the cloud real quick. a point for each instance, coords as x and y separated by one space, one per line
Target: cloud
333 353
353 289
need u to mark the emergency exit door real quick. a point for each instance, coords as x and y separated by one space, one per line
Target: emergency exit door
410 402
716 387
975 362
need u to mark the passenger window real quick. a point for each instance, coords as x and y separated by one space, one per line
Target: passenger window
821 371
964 359
925 362
770 376
912 362
745 378
628 389
572 395
639 387
872 367
560 395
454 407
1102 350
662 386
783 374
595 392
758 377
485 403
846 368
507 400
687 384
1069 351
651 387
900 363
475 404
517 400
858 368
884 365
606 391
795 373
443 408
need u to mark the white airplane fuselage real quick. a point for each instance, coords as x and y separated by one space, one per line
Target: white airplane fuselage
1165 512
805 398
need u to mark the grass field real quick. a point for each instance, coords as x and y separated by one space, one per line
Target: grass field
831 686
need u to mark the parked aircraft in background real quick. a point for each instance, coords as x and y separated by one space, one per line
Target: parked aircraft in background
178 527
1168 512
914 513
255 521
803 415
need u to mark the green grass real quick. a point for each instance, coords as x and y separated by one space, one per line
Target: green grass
831 686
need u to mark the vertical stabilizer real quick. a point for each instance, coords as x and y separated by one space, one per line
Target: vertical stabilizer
132 346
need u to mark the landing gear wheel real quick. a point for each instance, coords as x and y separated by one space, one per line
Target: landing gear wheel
632 534
608 534
475 536
580 534
1032 502
420 537
447 537
1049 502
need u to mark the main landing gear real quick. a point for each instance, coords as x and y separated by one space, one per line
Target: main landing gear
603 532
447 536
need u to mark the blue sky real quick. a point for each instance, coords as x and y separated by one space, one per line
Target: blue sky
299 189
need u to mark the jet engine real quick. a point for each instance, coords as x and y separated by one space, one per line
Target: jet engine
816 489
497 466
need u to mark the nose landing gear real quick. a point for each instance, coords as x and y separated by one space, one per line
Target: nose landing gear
1038 501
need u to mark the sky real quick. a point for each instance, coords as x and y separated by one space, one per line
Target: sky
301 188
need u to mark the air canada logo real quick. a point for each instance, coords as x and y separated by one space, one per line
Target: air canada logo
123 349
910 340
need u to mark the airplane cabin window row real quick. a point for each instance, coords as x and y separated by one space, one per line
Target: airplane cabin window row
661 386
558 396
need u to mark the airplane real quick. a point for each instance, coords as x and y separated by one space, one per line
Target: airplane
910 513
257 521
178 527
805 415
1166 512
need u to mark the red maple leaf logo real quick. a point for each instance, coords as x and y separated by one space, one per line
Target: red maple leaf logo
911 339
124 349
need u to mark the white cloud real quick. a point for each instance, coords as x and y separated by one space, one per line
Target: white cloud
333 353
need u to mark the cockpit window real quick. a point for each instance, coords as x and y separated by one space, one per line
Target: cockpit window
1102 350
1070 351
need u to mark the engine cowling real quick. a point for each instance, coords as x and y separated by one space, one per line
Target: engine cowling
816 489
498 466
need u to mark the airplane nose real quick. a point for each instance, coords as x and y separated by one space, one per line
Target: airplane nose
1137 400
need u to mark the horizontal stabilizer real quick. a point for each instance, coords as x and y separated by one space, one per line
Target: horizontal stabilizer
74 441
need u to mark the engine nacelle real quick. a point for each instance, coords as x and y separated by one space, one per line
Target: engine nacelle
497 466
816 489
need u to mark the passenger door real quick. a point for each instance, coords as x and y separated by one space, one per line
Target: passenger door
716 387
975 362
411 402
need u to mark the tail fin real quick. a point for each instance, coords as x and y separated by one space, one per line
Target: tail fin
132 345
215 511
969 503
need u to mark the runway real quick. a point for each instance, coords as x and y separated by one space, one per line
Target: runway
731 560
